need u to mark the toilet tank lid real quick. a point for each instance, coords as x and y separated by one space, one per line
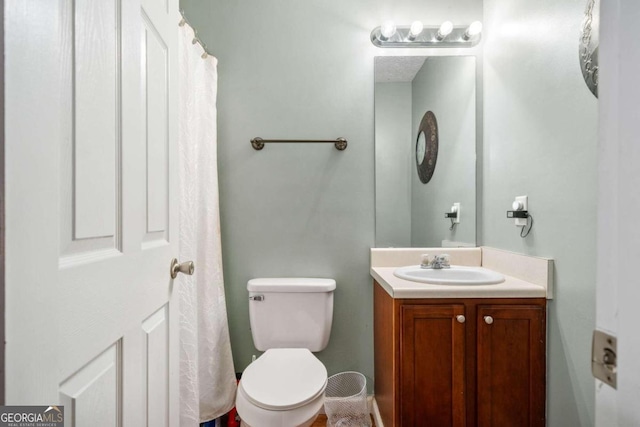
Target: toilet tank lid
291 284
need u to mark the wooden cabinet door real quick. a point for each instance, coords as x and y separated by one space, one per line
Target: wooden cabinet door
432 362
511 365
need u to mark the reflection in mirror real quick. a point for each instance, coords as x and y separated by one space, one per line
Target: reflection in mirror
421 147
408 212
429 130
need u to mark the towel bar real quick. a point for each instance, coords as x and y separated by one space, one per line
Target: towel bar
258 143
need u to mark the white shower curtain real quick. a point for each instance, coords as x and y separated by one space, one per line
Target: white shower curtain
207 375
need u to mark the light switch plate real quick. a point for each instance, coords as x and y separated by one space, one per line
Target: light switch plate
521 222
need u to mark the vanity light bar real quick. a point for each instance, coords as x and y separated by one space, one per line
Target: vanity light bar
416 35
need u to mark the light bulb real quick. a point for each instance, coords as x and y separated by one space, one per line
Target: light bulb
474 29
387 30
415 30
445 30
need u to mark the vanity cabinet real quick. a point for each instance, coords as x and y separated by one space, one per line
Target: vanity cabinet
460 362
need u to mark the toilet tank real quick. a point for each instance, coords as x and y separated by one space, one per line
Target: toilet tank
291 312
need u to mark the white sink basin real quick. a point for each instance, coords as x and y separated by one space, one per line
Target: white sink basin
456 275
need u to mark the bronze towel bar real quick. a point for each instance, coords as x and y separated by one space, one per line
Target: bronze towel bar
258 143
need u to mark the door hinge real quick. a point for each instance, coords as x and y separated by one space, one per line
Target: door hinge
604 358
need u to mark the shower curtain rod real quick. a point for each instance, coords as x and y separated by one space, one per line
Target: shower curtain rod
196 39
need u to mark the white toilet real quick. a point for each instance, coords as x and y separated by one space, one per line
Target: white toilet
290 318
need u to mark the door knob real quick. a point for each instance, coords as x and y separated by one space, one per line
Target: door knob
186 267
488 320
460 318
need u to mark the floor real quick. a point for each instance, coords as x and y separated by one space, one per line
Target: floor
321 421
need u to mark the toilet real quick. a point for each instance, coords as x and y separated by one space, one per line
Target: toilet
290 318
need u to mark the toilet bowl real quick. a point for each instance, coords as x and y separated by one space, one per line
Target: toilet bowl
283 387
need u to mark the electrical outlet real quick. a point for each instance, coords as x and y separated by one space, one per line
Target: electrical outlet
522 203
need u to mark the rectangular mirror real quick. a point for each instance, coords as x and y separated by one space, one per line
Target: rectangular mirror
438 96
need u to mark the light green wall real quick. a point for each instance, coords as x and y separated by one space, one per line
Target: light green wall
447 87
302 69
540 140
395 163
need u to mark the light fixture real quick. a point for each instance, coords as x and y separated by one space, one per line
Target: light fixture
387 30
419 35
415 30
474 29
444 30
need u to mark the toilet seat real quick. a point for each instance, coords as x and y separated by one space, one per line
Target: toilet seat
283 379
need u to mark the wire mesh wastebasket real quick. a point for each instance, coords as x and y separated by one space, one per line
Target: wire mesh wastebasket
346 400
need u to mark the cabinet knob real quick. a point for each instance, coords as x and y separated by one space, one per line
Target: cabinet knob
488 320
460 318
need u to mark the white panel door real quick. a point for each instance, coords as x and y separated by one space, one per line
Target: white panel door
91 173
618 291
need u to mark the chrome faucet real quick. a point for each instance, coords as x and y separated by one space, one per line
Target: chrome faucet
438 262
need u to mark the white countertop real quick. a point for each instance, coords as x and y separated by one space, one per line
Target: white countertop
400 288
525 276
